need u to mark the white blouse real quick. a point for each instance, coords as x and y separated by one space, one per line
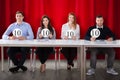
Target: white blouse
66 27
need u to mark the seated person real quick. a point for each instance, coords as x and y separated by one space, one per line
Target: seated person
105 34
46 31
70 31
20 30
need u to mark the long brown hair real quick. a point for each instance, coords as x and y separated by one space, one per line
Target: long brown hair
71 13
49 24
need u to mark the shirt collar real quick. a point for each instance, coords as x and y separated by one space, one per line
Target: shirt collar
18 24
99 27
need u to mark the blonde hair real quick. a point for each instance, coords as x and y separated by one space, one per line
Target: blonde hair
71 13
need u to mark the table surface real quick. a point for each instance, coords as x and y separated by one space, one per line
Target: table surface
60 43
42 43
102 43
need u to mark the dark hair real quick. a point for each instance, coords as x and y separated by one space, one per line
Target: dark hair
99 16
49 24
20 12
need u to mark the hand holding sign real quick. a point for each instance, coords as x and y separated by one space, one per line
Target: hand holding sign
95 33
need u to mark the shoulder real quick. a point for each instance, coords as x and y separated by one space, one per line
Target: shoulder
53 27
39 28
13 24
105 27
77 25
25 23
66 24
92 27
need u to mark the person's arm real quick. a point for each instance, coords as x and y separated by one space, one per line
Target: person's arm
54 34
88 36
63 32
38 33
78 32
7 32
30 33
110 34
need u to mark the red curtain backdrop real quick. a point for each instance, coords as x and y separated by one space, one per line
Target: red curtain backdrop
58 10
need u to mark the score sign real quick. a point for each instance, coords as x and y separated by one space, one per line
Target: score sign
45 32
95 33
17 32
70 33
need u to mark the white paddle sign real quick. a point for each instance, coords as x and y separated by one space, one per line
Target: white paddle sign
70 33
95 33
17 32
45 32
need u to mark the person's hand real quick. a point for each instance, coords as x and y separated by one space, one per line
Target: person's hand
65 37
110 39
12 38
74 37
92 38
40 36
21 38
50 36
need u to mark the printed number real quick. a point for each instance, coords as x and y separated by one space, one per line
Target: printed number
17 32
95 33
70 34
45 32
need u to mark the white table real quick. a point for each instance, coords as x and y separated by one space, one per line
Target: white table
80 44
98 43
45 43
